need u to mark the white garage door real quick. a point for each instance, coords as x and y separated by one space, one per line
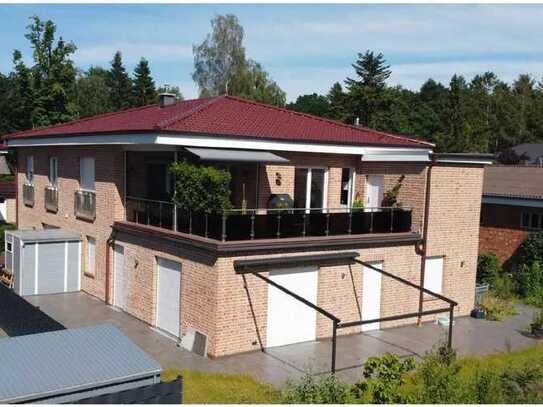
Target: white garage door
371 296
433 274
289 320
169 296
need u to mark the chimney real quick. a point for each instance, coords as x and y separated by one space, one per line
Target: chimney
166 99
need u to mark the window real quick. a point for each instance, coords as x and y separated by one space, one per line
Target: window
347 181
53 171
9 247
91 247
29 169
433 274
86 173
531 220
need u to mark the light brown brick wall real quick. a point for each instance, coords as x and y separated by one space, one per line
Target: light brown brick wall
455 205
109 172
11 208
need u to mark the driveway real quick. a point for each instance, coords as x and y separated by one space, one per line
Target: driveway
276 365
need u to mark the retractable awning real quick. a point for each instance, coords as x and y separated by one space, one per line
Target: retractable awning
225 155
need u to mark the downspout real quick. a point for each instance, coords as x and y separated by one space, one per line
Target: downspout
17 188
109 246
423 251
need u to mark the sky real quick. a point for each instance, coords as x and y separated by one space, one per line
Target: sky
305 48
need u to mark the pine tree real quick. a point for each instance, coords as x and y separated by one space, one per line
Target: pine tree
143 86
337 100
119 83
366 95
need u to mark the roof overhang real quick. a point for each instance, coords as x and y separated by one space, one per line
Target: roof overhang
371 153
463 158
512 201
269 263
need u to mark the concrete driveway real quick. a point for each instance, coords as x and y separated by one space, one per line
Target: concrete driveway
276 365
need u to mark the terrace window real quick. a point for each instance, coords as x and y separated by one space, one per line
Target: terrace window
347 187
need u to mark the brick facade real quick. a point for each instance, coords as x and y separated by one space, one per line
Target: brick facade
231 309
501 231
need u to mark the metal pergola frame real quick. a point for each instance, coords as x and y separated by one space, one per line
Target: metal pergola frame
242 268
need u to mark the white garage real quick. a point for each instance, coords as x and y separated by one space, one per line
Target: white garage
289 320
44 261
168 312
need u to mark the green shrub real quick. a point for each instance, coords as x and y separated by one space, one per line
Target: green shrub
487 268
530 282
497 309
531 250
312 390
504 286
537 319
383 376
201 188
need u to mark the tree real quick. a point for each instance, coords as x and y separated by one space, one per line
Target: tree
119 83
366 91
219 56
251 81
337 100
221 67
21 97
93 93
317 105
143 86
53 74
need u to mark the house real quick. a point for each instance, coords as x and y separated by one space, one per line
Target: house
530 153
107 178
512 207
7 189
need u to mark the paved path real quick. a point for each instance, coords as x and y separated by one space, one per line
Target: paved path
278 364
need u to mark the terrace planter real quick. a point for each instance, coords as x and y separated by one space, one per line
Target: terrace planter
537 331
478 313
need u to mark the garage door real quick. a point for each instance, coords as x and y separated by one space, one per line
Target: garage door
289 320
371 295
169 296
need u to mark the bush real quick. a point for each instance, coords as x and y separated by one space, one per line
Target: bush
383 377
487 268
504 286
312 390
531 250
530 282
497 309
200 188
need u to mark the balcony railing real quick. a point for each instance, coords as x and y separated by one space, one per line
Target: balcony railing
250 224
28 194
85 205
51 199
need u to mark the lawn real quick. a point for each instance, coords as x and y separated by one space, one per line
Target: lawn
221 388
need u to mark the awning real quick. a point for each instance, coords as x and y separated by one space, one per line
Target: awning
224 155
264 264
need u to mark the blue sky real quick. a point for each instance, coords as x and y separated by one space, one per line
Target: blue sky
305 48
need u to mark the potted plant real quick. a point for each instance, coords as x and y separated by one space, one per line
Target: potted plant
537 324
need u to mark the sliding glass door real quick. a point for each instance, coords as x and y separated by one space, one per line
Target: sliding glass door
310 185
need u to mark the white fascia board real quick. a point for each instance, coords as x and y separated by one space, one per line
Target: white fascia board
496 200
476 161
194 140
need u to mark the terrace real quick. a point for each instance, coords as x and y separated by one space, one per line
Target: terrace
291 202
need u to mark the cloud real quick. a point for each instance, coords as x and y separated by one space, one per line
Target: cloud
132 52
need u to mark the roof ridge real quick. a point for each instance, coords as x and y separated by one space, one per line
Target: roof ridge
183 115
335 122
83 119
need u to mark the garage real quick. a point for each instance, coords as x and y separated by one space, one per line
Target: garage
44 261
289 320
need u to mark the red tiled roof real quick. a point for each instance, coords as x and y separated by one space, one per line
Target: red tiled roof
227 116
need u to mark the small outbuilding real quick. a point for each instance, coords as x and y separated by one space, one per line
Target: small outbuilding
44 261
72 364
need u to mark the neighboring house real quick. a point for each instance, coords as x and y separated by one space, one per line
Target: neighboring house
107 178
8 190
531 153
512 207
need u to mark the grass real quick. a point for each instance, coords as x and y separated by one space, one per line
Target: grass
221 388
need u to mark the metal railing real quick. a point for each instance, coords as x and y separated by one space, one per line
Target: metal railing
251 224
85 205
28 194
51 198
